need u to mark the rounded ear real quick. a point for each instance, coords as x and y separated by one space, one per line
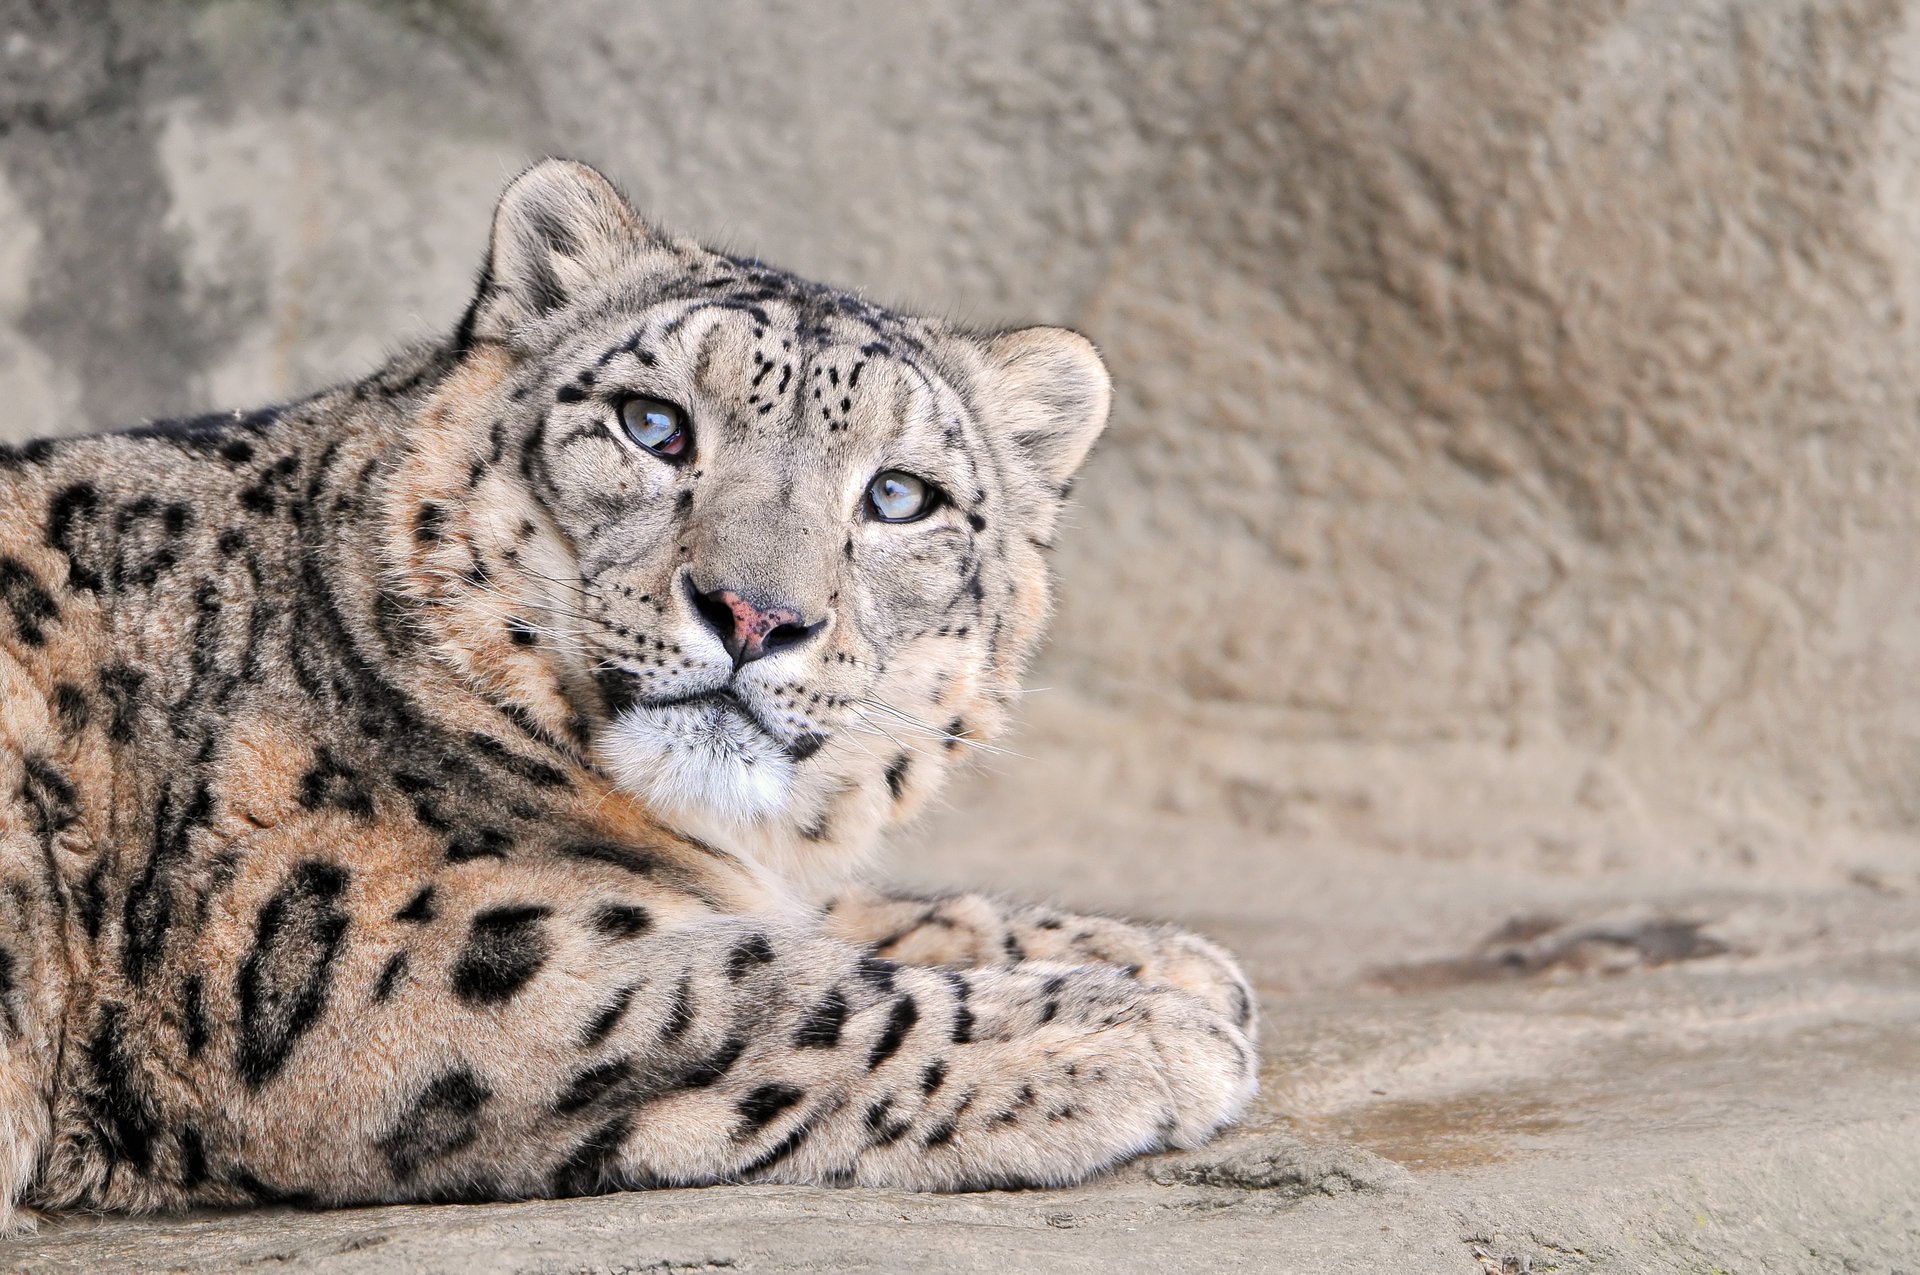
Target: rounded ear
1048 391
558 227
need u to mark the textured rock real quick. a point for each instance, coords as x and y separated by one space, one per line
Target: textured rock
1493 608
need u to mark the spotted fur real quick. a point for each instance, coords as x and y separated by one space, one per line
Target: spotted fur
383 821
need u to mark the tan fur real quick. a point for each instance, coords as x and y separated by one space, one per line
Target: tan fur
386 815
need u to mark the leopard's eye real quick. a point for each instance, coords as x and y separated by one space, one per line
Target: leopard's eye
658 426
894 496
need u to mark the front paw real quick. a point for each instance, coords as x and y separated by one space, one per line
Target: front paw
1162 956
1202 968
1210 1067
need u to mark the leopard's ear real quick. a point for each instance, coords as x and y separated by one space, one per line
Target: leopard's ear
559 226
1048 391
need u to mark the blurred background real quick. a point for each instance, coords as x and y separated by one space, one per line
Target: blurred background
1512 482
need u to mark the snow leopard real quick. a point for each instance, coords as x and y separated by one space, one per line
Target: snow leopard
463 783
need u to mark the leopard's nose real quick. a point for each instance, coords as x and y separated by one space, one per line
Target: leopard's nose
750 629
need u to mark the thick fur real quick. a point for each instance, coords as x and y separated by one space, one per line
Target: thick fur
369 830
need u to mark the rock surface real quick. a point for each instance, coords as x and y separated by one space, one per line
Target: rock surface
1492 611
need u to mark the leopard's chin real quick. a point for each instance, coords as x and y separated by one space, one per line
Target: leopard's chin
700 758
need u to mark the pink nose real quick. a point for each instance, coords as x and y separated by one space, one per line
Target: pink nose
750 632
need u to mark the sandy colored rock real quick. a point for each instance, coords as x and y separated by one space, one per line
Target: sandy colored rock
1492 610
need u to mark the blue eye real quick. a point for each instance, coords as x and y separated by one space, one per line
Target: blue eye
894 496
658 426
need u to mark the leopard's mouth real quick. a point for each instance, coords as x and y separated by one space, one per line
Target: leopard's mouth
620 689
727 700
707 751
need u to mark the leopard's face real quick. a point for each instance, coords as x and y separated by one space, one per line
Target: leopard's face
791 542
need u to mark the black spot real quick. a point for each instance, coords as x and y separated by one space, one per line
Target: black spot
1011 946
73 708
639 862
934 1076
263 1192
520 631
396 969
897 776
193 1014
680 1012
962 1031
806 746
763 1106
505 948
444 1119
193 1158
877 972
30 605
778 1152
956 733
569 394
150 901
593 1084
747 953
589 1168
70 516
621 920
51 803
976 522
237 451
885 1132
714 1066
820 1029
123 1110
121 685
940 1135
619 690
1050 1005
328 783
263 496
429 817
485 843
899 1022
284 980
534 772
601 1025
429 523
419 909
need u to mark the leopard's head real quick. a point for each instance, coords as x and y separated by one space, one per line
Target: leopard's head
780 549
